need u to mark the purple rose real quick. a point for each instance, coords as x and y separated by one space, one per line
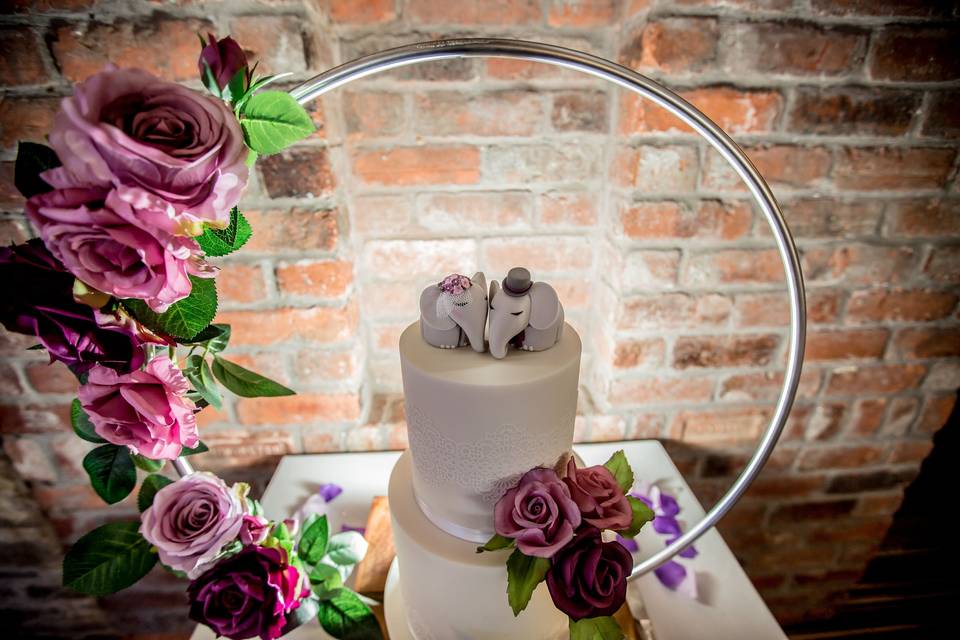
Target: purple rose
39 301
601 501
191 520
538 513
96 235
455 284
254 529
146 410
225 58
588 578
163 147
248 595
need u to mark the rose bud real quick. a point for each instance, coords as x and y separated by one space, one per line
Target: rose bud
224 58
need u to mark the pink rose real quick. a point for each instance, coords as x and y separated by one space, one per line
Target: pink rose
600 499
191 520
254 529
538 513
167 149
95 234
147 410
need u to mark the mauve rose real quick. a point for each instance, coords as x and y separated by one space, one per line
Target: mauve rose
248 595
225 58
588 578
94 233
254 529
146 410
191 520
538 513
39 301
601 501
164 147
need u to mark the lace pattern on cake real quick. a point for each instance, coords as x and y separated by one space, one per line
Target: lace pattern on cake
486 467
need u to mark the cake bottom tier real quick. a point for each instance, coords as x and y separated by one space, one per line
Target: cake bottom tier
451 592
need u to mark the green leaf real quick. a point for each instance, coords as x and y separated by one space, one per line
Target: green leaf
148 465
620 468
210 80
81 424
603 628
257 84
184 319
313 542
324 578
273 120
495 543
32 160
148 490
235 89
251 158
200 448
346 548
344 615
198 373
111 472
214 338
220 242
524 573
109 558
642 514
246 383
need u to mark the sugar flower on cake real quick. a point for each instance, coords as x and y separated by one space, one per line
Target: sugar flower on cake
146 410
164 148
538 513
455 284
193 519
588 578
601 501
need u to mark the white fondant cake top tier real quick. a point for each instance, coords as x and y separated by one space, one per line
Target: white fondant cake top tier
476 424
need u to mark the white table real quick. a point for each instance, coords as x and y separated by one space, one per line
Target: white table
728 607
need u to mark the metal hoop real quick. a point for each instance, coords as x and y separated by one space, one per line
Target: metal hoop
600 68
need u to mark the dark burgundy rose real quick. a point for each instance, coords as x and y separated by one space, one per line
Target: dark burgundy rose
248 595
225 58
588 577
38 300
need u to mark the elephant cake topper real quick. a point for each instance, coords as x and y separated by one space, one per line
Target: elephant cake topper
520 312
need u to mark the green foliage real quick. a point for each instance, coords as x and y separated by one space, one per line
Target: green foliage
341 549
313 542
524 573
185 318
246 383
81 424
214 338
641 515
345 616
32 160
620 468
197 371
220 242
109 558
112 473
148 490
187 451
603 628
272 121
495 543
148 465
324 578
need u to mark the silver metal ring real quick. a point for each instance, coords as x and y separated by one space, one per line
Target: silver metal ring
600 68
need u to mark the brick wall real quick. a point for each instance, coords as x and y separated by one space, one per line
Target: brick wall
847 107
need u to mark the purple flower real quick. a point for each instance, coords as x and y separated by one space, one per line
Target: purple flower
538 513
588 577
146 410
248 595
39 301
599 497
455 284
328 491
225 58
191 520
254 529
675 577
163 147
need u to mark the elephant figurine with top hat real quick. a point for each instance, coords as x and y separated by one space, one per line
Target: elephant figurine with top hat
523 313
453 312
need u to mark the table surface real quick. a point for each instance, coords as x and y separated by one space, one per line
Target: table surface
727 608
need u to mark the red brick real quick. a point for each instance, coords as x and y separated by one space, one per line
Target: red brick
13 231
367 12
678 310
315 278
767 386
710 219
724 351
476 211
498 113
51 378
767 486
639 353
797 48
661 390
316 324
670 169
20 56
780 165
16 344
899 305
9 381
404 259
580 111
943 118
297 173
936 412
673 45
734 110
719 426
499 12
30 460
935 218
858 264
772 309
210 416
766 5
822 424
928 343
245 448
830 218
296 229
36 6
734 266
916 8
916 54
853 111
238 282
582 13
879 504
799 513
374 114
943 265
892 168
525 164
25 119
900 417
841 457
568 209
379 215
549 254
888 378
275 42
646 270
508 69
910 451
405 166
166 47
845 345
267 363
299 409
316 367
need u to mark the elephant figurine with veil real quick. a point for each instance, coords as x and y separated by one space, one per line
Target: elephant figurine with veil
523 313
453 312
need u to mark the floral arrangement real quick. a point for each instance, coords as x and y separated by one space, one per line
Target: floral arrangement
563 530
137 190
